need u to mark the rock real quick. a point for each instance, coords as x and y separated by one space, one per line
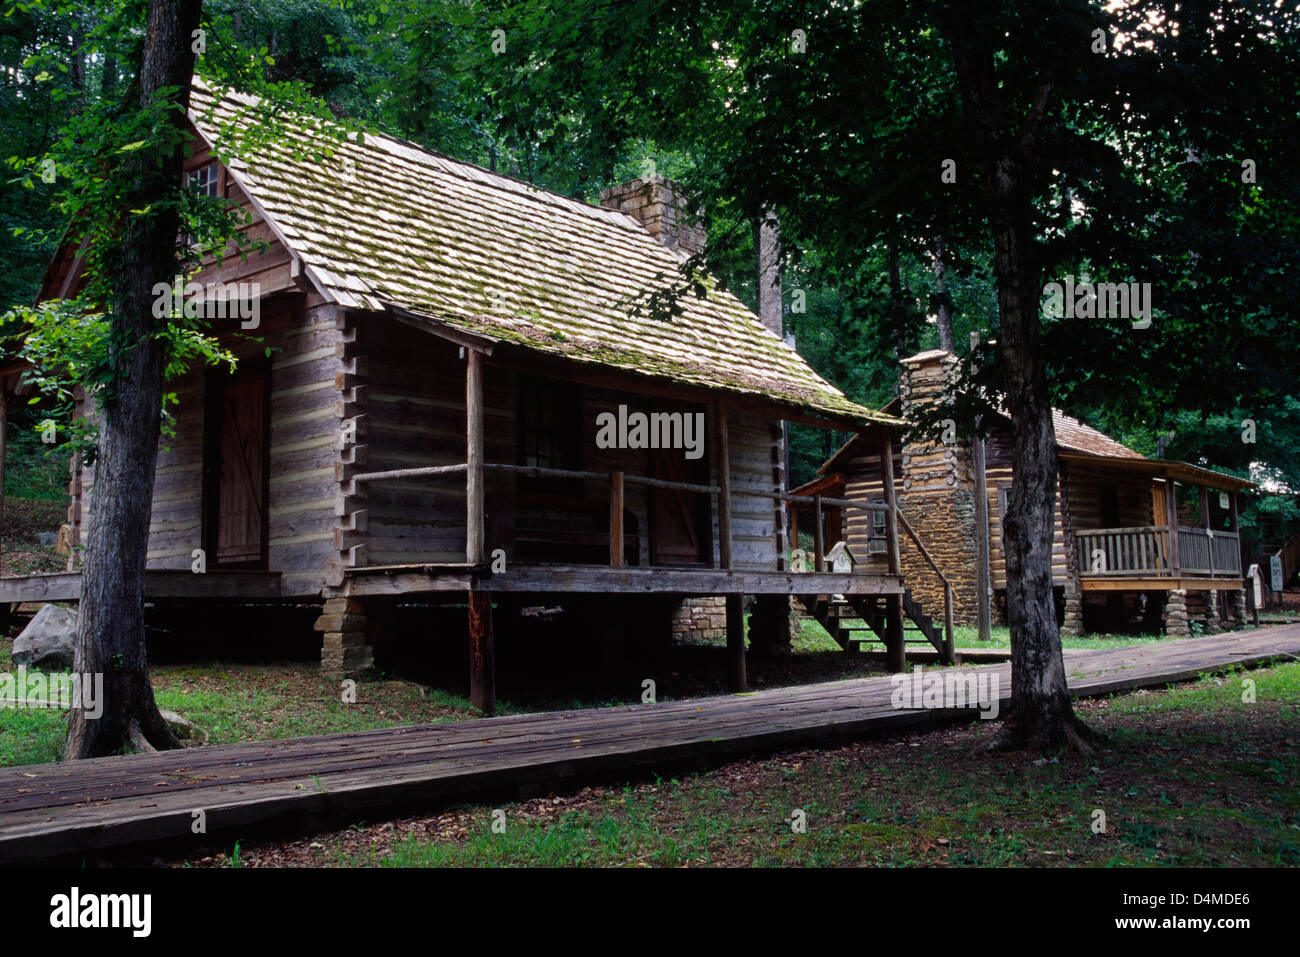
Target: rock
49 640
182 727
47 538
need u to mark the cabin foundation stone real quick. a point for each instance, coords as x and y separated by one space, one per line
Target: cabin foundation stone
700 619
345 647
1237 607
1175 617
1072 625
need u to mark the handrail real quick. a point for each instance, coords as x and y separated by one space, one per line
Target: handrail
949 641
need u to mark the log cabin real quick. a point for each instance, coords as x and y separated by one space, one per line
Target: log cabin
417 403
1134 536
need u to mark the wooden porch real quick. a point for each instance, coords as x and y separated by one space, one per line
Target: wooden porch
159 585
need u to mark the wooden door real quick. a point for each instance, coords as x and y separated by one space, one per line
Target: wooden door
681 523
1160 515
241 490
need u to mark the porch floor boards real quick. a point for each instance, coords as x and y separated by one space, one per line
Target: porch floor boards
53 809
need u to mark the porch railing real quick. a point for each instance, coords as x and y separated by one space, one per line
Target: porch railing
894 518
1143 552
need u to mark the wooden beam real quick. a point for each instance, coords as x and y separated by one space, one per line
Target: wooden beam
891 500
819 536
474 546
722 466
482 653
1160 584
1171 520
432 578
983 571
736 679
522 359
616 519
895 653
1205 521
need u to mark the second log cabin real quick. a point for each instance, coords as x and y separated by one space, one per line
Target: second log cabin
1134 536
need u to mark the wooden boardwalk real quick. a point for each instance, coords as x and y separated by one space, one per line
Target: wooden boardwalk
87 806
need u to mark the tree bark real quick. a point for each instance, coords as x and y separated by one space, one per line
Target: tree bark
1040 715
110 626
943 306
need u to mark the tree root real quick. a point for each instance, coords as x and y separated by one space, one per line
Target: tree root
1067 733
138 739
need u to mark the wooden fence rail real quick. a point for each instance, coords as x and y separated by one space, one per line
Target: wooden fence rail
1143 552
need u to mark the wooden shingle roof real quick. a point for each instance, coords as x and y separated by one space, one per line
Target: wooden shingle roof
387 226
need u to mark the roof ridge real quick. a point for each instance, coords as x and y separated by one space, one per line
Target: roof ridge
462 169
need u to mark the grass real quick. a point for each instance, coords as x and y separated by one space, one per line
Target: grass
812 638
1194 776
244 702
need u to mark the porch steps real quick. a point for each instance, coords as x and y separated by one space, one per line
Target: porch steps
860 620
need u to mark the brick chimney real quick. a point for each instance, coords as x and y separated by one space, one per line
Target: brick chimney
656 203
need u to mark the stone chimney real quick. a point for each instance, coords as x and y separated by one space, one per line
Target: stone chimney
938 494
657 205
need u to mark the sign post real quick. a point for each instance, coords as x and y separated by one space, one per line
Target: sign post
1256 592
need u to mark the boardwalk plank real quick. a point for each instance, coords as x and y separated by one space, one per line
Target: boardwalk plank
116 802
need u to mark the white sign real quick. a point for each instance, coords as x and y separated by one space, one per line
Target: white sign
1256 586
1275 568
1224 501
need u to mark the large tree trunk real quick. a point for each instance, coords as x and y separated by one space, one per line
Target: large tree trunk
1040 714
110 627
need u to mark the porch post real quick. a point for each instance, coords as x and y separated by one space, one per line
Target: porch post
1171 519
1232 517
736 678
895 653
1205 520
819 536
722 466
616 519
473 458
482 653
891 499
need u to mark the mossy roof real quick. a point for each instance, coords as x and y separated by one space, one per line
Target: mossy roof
383 224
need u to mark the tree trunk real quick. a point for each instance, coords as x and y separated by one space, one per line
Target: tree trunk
1040 714
110 626
943 305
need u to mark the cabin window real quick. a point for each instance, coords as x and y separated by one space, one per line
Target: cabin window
878 536
550 433
203 180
